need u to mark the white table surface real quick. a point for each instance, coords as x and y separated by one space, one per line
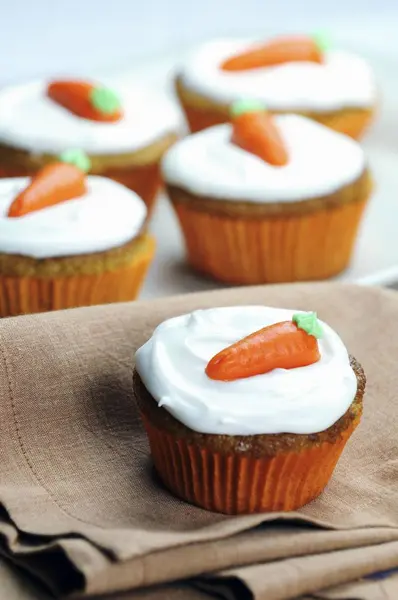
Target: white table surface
47 37
375 261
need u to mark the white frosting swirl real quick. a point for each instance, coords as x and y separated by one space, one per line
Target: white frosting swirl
107 216
32 121
320 162
343 80
303 400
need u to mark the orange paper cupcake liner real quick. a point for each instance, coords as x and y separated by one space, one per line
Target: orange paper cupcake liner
202 113
25 295
199 118
241 484
270 249
352 123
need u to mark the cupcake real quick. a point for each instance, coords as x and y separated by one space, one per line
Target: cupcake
267 198
67 240
124 132
247 409
296 74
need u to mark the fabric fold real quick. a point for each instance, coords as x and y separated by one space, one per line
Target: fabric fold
292 577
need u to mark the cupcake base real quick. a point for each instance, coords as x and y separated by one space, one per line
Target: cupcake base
246 243
139 170
207 480
33 286
201 113
245 474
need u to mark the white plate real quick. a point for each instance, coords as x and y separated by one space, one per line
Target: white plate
375 261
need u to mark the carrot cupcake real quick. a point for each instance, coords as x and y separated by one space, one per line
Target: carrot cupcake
295 74
124 131
247 409
268 198
67 239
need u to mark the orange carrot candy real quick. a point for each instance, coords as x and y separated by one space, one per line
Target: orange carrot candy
86 100
279 51
284 345
254 130
54 183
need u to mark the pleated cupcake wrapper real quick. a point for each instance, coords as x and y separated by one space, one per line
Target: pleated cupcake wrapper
240 484
351 122
263 249
25 295
200 118
145 180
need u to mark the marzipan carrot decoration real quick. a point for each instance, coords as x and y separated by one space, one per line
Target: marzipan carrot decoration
86 100
76 157
284 345
277 52
255 131
54 183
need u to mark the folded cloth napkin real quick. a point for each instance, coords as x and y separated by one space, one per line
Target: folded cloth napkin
83 512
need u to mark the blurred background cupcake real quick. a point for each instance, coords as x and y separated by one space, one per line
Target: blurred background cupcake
268 198
124 130
67 240
296 74
126 47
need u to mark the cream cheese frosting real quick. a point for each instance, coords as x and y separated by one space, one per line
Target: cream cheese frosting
304 400
344 80
107 216
320 162
31 121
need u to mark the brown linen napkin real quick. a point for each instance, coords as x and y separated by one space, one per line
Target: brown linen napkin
75 476
288 578
364 589
248 548
14 585
17 586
